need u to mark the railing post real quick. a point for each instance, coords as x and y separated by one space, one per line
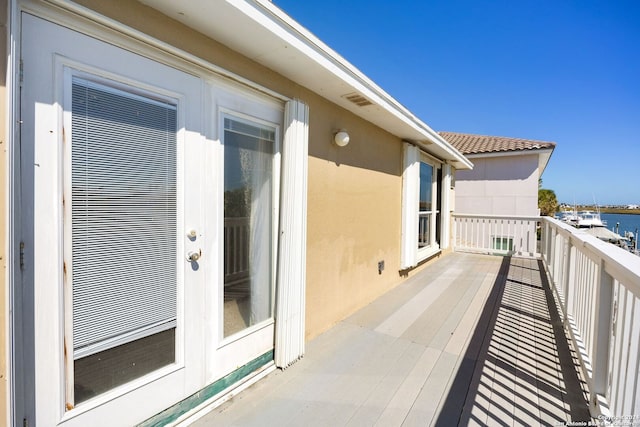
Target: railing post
543 239
571 285
566 276
601 342
552 253
550 239
453 232
559 258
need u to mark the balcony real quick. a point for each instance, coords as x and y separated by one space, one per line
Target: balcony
544 334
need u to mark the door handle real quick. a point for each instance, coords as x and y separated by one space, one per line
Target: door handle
193 256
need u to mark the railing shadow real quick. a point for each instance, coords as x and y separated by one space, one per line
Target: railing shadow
575 387
501 354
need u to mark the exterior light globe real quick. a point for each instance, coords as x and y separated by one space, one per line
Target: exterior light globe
341 138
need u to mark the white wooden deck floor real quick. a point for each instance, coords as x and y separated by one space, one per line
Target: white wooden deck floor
468 341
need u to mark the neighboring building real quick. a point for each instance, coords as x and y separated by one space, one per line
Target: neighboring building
178 216
505 177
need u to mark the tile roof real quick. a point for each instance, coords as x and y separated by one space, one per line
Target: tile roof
478 144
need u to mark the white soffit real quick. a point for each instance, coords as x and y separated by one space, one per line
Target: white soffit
260 31
543 160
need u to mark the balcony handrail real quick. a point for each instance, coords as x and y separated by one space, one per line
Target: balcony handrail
493 216
495 234
598 286
618 263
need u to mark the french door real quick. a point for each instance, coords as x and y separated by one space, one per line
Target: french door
245 133
149 214
109 144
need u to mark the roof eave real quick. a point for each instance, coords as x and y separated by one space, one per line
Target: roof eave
544 155
543 159
275 40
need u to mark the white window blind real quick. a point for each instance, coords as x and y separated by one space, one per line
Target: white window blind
123 195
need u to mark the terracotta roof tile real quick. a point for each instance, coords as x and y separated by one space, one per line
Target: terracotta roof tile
478 144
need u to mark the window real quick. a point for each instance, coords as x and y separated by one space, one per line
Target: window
420 214
249 150
123 235
425 206
502 243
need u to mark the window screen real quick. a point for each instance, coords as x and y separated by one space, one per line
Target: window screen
123 179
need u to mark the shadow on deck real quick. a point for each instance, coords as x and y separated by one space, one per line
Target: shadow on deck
470 340
518 368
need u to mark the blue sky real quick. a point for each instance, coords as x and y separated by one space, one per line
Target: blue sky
552 70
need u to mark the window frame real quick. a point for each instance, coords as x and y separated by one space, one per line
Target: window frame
502 243
410 252
433 245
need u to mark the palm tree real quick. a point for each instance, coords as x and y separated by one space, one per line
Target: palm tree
547 202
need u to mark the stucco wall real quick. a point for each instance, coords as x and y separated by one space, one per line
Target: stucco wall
506 185
354 216
354 193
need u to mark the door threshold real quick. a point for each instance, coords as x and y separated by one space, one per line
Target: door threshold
213 395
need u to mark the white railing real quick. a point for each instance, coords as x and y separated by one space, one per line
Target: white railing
598 286
495 234
236 250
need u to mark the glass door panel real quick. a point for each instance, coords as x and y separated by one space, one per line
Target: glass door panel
248 224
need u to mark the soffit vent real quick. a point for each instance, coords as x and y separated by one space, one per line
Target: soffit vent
357 99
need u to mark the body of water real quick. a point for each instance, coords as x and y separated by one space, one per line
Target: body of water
627 222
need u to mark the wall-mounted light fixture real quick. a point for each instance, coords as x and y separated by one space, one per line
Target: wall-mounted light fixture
341 138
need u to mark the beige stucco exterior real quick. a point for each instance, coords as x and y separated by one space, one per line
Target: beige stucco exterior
354 216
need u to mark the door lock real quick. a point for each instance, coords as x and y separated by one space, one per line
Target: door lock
193 256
